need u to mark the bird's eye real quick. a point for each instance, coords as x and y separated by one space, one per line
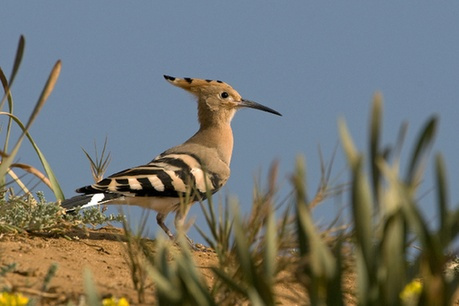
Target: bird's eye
224 95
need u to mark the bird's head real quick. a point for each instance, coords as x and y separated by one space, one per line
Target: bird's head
216 99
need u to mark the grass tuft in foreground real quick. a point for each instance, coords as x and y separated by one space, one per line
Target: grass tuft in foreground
388 255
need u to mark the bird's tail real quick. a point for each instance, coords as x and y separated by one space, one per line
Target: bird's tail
88 200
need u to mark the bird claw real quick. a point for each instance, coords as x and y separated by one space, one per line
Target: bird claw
189 241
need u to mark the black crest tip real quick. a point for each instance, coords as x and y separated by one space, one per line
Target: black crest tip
169 78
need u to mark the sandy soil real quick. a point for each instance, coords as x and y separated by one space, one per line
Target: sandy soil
100 251
103 253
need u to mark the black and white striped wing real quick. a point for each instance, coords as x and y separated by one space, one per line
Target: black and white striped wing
168 175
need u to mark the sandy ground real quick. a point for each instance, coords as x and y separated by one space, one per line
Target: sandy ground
104 253
100 251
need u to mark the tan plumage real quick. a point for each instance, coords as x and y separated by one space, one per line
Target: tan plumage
201 162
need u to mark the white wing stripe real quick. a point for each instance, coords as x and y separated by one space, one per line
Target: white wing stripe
134 183
156 183
95 200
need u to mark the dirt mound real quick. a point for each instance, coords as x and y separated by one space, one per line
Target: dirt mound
102 252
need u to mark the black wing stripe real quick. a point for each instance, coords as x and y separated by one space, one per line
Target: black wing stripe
145 183
176 162
166 180
174 156
104 182
122 181
143 172
168 175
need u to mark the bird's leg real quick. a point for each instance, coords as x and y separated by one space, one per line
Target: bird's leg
179 222
160 220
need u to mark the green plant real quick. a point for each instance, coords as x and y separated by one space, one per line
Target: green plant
387 220
320 267
100 163
92 295
178 281
7 156
136 250
49 276
24 214
7 268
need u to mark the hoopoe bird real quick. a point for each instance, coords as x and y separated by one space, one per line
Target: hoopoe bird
199 165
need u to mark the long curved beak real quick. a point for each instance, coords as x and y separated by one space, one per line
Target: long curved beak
255 105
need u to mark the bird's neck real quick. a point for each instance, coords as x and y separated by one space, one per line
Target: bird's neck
218 137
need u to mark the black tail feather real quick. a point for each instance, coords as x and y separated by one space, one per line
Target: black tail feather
88 200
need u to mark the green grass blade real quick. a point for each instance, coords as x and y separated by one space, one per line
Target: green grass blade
375 134
4 166
347 142
10 109
50 274
210 217
49 86
6 163
90 289
432 251
18 59
163 283
335 287
229 280
242 248
300 190
321 267
17 62
270 252
423 144
442 199
453 226
196 288
5 88
394 257
58 193
322 262
362 213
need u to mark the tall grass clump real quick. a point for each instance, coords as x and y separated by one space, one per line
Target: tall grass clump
9 121
389 224
387 254
20 210
395 256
